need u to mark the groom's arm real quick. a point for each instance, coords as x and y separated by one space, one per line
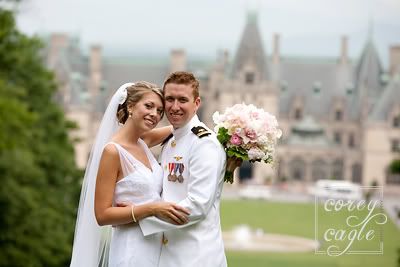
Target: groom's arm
156 136
206 165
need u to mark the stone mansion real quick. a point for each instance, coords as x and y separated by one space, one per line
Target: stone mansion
340 117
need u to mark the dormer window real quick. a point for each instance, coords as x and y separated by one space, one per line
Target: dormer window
249 77
338 115
396 121
284 86
349 88
384 79
317 87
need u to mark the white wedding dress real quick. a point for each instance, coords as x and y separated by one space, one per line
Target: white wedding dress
139 185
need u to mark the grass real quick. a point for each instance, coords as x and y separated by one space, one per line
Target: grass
298 220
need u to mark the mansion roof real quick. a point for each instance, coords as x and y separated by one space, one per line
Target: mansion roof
318 84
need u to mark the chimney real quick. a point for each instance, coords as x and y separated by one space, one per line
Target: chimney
178 60
343 52
225 57
58 42
275 55
222 57
394 54
95 70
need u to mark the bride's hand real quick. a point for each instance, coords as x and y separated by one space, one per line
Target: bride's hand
171 213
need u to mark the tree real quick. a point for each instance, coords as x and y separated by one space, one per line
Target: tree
395 166
39 181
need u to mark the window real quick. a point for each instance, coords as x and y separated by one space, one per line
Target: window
249 77
317 87
337 137
338 115
245 171
284 86
349 91
337 169
395 145
351 140
319 170
298 114
396 122
349 88
297 169
216 94
356 173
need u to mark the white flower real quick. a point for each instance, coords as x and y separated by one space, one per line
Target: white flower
123 96
255 153
278 133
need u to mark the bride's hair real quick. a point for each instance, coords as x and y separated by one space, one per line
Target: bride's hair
135 93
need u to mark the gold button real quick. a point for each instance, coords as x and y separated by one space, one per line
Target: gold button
165 241
173 143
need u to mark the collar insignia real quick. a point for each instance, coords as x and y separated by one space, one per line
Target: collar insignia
200 131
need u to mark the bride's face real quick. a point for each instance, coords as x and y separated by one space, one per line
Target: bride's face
147 113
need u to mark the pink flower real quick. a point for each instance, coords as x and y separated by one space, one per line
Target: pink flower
255 115
235 140
251 134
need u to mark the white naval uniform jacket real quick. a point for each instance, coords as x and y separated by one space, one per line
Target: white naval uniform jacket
199 242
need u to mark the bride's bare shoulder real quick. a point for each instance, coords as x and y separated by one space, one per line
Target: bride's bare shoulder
110 150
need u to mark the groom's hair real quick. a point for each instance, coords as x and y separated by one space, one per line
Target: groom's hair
184 77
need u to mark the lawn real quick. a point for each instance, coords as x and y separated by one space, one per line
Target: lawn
298 220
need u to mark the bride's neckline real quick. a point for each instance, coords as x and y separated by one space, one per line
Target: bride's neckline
129 153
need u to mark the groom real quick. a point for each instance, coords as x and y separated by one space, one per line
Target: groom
194 162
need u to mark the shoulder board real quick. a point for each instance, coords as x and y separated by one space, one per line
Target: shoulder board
166 139
200 131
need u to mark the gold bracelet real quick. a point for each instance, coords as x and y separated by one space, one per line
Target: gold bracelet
133 214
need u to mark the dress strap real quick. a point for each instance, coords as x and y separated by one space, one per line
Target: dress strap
148 152
125 159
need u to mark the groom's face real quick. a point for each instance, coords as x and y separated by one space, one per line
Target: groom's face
180 103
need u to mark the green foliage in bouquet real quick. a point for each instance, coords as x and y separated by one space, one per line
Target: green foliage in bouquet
238 152
236 155
223 136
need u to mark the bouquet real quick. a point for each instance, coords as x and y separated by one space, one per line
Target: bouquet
246 133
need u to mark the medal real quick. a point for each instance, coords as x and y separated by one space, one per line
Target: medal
175 168
170 169
181 168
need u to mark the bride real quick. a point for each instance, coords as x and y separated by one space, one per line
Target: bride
122 169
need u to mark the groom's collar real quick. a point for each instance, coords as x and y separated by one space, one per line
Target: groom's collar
180 132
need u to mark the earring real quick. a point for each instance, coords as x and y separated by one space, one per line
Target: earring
130 114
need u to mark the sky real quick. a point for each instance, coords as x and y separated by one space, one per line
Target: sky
154 27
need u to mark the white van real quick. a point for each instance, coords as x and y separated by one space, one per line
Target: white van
326 189
255 192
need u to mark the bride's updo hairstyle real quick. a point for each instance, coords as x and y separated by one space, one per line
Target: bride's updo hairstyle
135 93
